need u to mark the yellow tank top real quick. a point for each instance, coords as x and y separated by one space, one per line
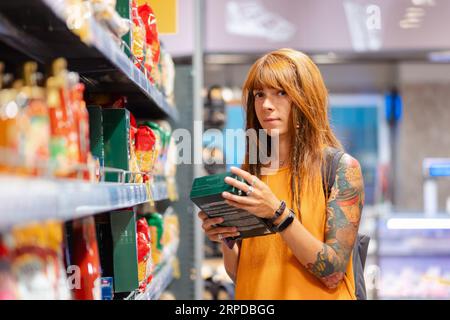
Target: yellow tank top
268 270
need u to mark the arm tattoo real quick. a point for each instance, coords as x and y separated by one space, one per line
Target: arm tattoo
343 215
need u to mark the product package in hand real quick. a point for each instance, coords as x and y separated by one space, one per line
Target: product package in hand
206 193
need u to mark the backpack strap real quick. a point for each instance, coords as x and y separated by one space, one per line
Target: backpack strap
329 168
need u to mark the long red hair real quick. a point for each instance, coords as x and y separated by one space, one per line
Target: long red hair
296 74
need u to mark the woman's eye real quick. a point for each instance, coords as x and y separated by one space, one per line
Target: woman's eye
258 94
282 93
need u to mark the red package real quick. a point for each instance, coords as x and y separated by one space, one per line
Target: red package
145 148
148 17
86 257
145 264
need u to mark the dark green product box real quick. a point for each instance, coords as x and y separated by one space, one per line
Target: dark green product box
116 136
123 8
206 193
116 234
96 133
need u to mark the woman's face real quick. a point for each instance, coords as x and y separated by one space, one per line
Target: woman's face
273 108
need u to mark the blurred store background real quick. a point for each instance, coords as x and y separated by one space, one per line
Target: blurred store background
387 67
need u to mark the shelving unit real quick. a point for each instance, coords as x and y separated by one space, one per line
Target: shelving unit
103 65
36 199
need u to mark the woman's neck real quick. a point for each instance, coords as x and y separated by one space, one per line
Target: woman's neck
283 151
281 154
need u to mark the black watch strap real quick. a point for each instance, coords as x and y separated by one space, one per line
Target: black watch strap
279 211
285 223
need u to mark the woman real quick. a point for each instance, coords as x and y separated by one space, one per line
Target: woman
284 94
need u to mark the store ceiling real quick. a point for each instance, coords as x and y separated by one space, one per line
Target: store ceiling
334 30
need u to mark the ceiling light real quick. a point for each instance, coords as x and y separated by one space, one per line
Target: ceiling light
405 24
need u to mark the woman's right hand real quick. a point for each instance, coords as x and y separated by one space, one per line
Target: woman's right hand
213 232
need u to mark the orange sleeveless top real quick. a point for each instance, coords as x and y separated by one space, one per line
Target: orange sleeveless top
268 270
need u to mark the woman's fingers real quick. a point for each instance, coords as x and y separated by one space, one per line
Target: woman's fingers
251 179
236 183
221 236
208 223
248 201
222 230
202 215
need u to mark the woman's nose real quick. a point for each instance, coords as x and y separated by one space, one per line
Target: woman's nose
267 104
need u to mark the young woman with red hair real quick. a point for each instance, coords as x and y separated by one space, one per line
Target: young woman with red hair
310 255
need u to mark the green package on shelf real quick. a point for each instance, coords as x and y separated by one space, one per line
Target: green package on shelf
156 220
116 135
123 8
96 133
206 193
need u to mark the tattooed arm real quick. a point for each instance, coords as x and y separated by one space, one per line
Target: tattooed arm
328 260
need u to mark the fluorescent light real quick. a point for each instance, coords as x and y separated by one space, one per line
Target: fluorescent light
419 223
405 24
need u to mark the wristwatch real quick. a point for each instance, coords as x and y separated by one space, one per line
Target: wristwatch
285 223
279 211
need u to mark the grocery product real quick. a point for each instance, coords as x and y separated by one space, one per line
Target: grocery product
152 57
11 121
86 257
107 288
206 193
105 12
64 146
156 225
96 137
171 232
145 148
8 289
116 133
35 126
145 261
138 45
167 76
116 233
81 120
136 177
37 261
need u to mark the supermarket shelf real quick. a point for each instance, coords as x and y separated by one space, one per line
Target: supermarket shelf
102 64
23 200
163 275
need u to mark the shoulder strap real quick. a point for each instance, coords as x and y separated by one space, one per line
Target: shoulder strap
329 168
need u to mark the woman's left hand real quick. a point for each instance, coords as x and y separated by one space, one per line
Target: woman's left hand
260 201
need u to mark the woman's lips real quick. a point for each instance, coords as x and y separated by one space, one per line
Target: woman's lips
270 120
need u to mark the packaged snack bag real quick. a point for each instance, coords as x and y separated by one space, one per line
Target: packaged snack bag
145 148
152 40
145 261
37 261
138 36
